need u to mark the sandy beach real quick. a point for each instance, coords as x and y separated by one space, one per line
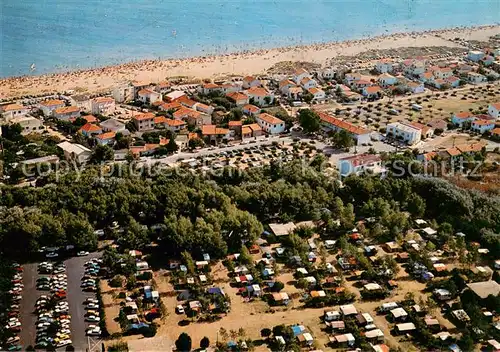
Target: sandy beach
255 62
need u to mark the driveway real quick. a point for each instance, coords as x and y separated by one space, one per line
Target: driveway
27 305
75 270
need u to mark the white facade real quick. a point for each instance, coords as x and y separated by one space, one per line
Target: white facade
103 105
270 124
328 73
308 83
358 164
48 107
299 75
148 96
387 80
482 126
384 66
475 78
249 82
494 110
13 110
76 152
28 124
408 134
475 55
123 94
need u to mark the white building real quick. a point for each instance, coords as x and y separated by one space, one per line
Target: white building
49 106
123 94
475 55
67 112
317 93
260 96
328 73
475 78
13 110
300 74
308 82
494 110
250 81
406 133
270 124
103 105
360 163
482 126
386 80
29 124
330 123
384 66
75 152
82 101
148 96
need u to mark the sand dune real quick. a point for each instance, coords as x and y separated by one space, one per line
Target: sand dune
255 62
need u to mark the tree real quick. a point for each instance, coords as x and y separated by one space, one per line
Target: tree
309 120
195 143
101 154
342 140
266 332
172 146
278 286
188 260
183 342
205 342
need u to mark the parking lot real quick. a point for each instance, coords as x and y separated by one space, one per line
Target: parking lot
75 297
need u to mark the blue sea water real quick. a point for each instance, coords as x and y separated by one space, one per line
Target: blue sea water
58 35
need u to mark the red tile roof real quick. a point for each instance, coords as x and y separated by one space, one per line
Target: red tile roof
67 110
89 128
107 135
362 159
463 115
146 116
270 119
208 130
349 127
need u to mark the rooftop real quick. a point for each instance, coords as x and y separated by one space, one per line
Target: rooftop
485 288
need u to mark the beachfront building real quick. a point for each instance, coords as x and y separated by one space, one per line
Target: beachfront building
482 126
384 66
28 124
406 133
238 98
260 96
144 122
330 123
250 82
12 110
66 113
361 163
494 110
103 105
270 124
148 96
414 67
49 106
75 152
123 94
460 118
208 88
285 85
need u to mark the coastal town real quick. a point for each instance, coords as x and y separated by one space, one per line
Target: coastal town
286 226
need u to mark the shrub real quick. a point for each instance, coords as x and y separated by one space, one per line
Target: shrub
116 281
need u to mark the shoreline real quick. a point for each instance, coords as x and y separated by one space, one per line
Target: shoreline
237 63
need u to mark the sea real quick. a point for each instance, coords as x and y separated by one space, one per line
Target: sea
46 36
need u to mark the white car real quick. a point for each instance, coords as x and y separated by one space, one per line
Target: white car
93 318
13 339
82 253
64 343
52 255
92 306
91 300
179 309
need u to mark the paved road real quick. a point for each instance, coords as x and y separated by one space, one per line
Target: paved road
75 270
30 295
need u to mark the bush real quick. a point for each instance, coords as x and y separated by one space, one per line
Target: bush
116 281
